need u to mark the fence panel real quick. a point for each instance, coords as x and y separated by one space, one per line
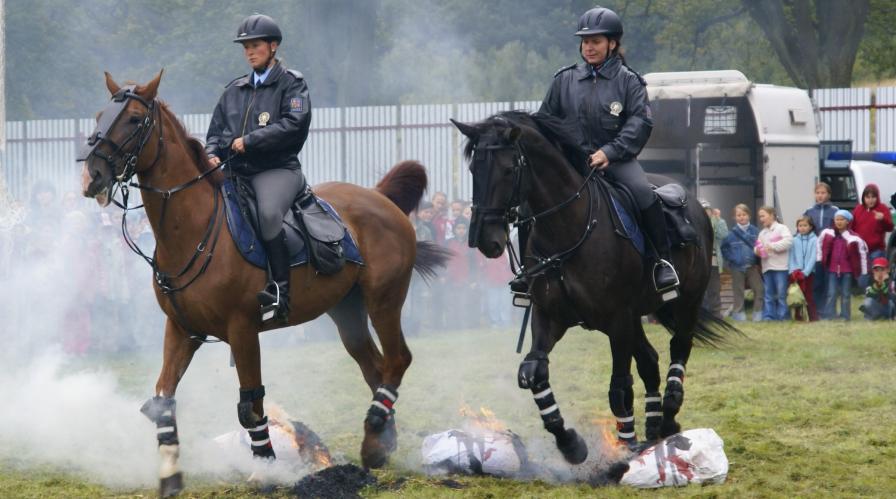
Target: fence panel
846 115
885 126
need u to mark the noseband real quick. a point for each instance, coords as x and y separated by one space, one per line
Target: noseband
483 156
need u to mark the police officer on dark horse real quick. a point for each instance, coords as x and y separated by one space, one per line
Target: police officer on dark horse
263 118
609 103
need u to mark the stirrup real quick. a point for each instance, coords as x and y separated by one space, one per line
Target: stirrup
669 292
269 298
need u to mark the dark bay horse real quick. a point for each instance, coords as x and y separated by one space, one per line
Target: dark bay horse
204 284
587 275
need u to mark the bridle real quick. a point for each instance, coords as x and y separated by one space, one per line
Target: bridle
129 157
510 213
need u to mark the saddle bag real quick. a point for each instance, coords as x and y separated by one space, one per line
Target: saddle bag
678 226
323 235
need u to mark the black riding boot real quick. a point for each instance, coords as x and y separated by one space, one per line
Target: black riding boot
665 279
274 298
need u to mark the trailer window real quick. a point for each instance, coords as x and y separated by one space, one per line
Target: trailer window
720 120
843 188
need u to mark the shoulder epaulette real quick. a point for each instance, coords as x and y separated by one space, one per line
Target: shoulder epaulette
297 74
565 68
235 80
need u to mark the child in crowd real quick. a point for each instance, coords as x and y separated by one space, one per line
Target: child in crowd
822 215
803 256
737 251
460 281
871 220
773 247
880 296
843 254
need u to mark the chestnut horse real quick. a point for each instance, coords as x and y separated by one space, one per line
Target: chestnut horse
205 287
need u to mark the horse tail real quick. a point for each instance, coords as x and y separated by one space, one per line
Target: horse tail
430 258
404 185
708 330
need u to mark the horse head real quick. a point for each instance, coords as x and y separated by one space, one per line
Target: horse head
497 165
113 152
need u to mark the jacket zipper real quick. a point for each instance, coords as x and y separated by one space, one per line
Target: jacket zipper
248 108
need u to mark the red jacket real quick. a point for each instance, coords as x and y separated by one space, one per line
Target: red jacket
869 228
856 250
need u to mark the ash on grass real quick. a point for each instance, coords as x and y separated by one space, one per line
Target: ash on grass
336 482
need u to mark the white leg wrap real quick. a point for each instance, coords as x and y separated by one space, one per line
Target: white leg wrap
169 455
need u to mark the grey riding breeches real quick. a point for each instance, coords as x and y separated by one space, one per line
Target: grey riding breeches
630 174
275 192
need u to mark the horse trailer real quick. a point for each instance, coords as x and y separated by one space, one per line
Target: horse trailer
729 140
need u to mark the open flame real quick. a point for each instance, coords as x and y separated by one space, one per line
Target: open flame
612 447
306 442
484 419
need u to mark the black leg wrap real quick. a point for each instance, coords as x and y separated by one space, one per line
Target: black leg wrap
653 410
261 439
673 398
533 371
622 398
381 408
161 411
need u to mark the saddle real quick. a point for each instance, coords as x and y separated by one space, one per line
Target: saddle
627 216
314 231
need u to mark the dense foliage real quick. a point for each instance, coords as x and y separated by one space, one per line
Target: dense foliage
367 52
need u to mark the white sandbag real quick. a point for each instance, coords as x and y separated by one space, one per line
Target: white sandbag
692 456
498 453
238 441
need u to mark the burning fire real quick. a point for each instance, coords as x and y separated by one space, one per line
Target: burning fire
306 442
609 442
484 419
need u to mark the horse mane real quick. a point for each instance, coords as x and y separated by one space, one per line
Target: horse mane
562 134
194 146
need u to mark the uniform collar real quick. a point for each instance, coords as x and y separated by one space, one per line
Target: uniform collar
607 70
273 73
258 79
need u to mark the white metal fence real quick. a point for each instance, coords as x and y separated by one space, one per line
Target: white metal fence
355 144
359 144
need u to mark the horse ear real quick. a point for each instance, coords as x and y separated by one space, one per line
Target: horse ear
110 84
469 130
513 134
151 89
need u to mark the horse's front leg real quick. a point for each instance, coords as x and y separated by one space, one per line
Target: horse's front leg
534 376
160 409
646 360
250 409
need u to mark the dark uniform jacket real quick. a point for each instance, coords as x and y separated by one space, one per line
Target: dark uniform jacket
611 107
273 120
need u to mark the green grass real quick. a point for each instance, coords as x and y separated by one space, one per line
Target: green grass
805 410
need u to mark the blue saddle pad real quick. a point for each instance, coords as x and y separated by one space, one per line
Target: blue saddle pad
629 225
253 251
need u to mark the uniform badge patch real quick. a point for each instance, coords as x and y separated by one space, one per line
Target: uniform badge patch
263 118
615 108
296 105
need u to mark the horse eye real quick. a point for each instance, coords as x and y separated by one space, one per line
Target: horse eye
134 120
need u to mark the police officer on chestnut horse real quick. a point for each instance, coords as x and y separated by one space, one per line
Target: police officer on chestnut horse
262 119
608 102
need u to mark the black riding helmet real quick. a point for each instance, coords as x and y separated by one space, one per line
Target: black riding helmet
258 26
600 21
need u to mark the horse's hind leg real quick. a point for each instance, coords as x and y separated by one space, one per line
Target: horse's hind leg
679 352
534 375
624 343
380 437
350 317
160 409
646 360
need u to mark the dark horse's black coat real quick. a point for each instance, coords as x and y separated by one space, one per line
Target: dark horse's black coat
599 280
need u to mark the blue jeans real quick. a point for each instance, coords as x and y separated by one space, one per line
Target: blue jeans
838 285
865 279
775 308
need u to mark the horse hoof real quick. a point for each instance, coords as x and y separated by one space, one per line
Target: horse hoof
573 447
378 443
172 485
670 428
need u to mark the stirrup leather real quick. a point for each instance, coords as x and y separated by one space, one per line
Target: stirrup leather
669 292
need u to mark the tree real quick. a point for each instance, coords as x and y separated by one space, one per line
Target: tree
816 40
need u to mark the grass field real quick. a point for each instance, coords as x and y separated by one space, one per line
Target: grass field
805 410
